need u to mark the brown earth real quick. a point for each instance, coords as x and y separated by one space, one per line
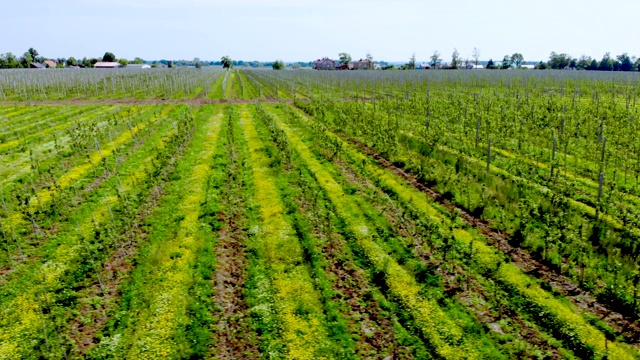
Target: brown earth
520 257
465 293
194 102
234 337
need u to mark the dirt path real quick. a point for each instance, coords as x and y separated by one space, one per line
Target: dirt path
234 336
194 102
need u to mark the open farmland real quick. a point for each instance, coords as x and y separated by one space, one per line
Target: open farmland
319 215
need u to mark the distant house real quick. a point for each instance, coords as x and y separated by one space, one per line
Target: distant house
37 65
51 64
423 66
138 66
363 65
342 67
324 64
474 67
527 66
107 65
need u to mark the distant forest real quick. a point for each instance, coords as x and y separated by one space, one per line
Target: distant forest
622 62
31 56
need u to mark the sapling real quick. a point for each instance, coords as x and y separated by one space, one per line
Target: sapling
5 239
42 315
602 155
636 280
477 131
553 157
91 256
489 156
469 265
113 222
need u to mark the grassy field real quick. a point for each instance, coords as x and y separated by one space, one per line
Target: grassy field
319 215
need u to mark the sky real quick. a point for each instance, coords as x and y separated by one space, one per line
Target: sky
304 30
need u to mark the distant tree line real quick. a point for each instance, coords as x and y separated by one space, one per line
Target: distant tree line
556 61
11 61
622 62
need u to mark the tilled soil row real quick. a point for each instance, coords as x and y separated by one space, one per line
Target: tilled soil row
195 102
452 286
234 335
524 260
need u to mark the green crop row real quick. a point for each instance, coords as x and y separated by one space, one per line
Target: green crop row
565 319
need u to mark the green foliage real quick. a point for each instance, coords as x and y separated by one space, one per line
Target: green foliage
506 63
625 62
227 63
411 65
435 59
278 65
344 58
33 53
606 64
26 60
456 61
9 61
517 59
109 57
559 61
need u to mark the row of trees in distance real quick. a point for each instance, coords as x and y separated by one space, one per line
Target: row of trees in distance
11 61
622 62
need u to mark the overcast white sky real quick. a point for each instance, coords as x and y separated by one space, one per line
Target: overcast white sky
303 30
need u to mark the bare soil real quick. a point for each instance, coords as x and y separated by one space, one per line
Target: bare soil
234 338
194 102
234 335
487 311
95 314
526 262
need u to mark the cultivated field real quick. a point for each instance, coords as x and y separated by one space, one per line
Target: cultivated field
252 214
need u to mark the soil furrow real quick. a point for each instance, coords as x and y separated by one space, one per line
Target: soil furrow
520 257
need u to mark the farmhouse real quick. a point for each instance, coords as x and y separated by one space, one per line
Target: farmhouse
363 65
107 65
37 65
51 64
324 64
328 64
349 66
